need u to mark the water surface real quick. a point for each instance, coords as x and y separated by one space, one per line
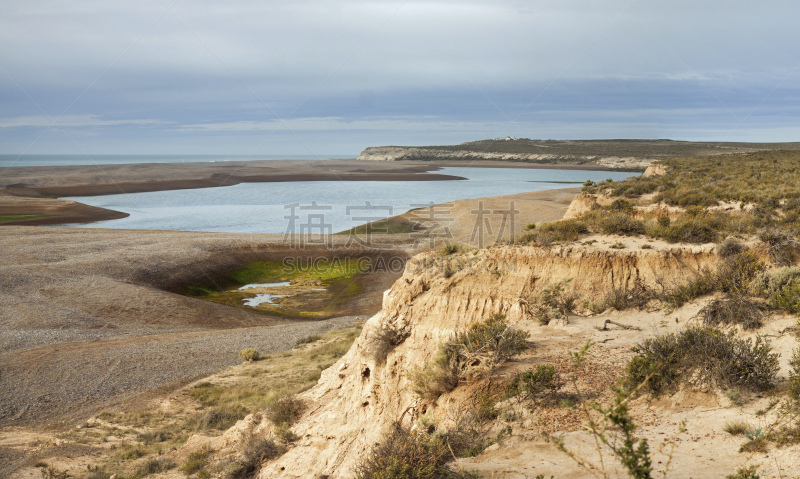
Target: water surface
320 206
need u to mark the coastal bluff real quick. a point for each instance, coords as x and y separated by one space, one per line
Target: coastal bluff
402 153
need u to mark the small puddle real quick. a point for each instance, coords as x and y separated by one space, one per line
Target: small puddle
267 293
265 285
262 298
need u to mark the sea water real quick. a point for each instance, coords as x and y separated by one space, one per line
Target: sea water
321 206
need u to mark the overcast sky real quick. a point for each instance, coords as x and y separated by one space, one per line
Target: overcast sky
331 77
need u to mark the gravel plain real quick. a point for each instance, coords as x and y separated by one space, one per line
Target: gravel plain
87 316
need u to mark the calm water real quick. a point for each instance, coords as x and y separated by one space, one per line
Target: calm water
330 206
74 160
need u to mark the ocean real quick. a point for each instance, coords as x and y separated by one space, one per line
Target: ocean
75 160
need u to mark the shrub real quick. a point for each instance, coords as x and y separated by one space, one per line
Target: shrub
734 275
736 428
405 454
469 435
285 410
732 310
435 378
448 250
219 419
742 473
781 287
687 229
255 450
730 247
703 284
624 298
559 231
781 245
248 355
621 205
476 352
736 272
532 384
196 461
553 303
620 224
702 355
154 465
485 345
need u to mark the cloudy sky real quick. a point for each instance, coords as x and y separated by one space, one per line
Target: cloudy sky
331 77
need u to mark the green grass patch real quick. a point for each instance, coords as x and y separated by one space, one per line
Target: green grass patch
389 226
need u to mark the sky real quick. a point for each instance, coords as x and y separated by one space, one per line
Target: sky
332 77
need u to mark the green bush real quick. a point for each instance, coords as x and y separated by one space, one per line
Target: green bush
736 272
255 450
781 287
405 454
553 302
701 285
559 231
437 377
535 383
733 310
214 418
196 461
703 355
734 276
476 352
154 465
781 244
249 355
730 247
285 410
448 250
623 298
620 224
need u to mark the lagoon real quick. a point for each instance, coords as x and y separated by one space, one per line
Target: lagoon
336 205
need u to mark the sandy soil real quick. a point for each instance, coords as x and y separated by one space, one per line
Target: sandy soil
65 292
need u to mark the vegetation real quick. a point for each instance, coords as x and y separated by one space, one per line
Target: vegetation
154 465
255 450
535 383
613 428
248 388
470 355
259 384
406 454
196 462
781 287
343 279
285 411
702 355
248 355
553 302
763 178
388 226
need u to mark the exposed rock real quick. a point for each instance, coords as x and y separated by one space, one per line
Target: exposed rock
397 153
360 396
655 169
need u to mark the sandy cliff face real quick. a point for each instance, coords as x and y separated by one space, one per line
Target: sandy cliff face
358 398
395 153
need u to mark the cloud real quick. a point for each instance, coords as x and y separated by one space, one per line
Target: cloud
373 68
71 121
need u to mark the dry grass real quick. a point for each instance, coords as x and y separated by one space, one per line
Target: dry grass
138 437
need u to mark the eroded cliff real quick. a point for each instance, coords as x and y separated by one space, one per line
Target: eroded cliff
358 399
